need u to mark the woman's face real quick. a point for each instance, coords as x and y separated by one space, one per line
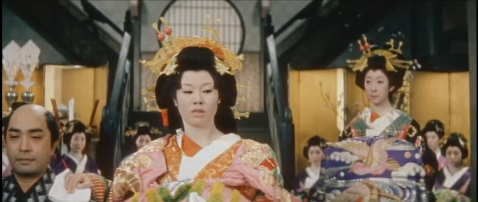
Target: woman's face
432 140
315 155
78 142
453 156
197 100
377 87
142 141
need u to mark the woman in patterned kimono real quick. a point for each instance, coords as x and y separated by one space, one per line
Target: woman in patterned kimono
205 160
380 73
76 139
307 181
454 179
434 131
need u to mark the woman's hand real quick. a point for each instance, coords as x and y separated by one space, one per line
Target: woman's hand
77 181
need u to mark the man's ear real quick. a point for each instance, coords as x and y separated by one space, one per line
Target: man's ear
55 145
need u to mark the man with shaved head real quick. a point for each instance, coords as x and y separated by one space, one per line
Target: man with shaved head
30 134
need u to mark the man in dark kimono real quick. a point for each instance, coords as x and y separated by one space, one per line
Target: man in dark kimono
29 136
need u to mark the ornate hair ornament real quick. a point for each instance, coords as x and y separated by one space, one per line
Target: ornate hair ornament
132 131
390 55
165 62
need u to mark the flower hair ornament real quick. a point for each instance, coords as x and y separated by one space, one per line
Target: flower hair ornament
164 62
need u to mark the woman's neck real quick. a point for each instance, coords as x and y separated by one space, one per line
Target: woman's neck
315 168
454 169
202 136
382 108
77 155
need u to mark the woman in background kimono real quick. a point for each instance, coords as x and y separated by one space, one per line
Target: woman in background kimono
76 139
453 181
205 160
307 181
142 136
434 131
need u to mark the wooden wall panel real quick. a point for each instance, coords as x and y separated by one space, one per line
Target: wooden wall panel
78 83
460 105
311 115
429 98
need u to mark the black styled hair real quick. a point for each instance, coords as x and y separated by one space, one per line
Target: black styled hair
51 122
378 62
456 140
314 141
436 126
144 130
73 127
197 59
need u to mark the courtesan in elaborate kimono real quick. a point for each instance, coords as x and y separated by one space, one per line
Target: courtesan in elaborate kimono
76 138
205 160
434 131
307 181
382 73
453 181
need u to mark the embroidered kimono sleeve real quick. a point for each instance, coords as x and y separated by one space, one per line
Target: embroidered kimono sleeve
412 134
259 166
350 131
140 172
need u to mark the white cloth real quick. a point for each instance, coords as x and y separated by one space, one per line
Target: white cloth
311 179
80 166
191 166
381 123
58 192
451 179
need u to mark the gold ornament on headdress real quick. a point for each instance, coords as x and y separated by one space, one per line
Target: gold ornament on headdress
390 56
164 62
132 131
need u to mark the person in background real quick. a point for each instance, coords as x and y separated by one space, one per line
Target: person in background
142 136
76 138
307 181
6 167
434 131
453 181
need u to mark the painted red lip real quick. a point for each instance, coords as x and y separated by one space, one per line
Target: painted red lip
198 111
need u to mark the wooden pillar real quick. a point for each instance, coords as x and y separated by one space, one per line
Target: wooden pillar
471 6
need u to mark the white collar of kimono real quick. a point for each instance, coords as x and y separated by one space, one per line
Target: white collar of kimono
80 166
311 179
190 166
380 123
451 179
